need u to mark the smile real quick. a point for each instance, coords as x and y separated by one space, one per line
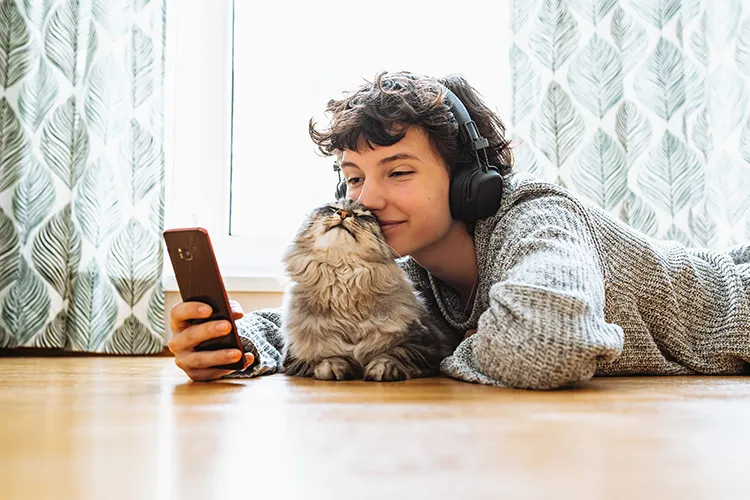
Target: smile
389 227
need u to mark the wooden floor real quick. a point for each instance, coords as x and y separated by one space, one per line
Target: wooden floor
136 428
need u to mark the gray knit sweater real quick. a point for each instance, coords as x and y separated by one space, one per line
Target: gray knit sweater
566 292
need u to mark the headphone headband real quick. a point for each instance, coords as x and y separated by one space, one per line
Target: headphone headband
466 126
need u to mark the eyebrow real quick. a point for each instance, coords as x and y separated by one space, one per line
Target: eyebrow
387 159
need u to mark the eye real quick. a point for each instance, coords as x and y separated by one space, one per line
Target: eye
400 174
354 180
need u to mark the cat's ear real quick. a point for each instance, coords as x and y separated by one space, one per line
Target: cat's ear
360 206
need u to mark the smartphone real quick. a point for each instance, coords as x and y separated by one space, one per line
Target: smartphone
199 279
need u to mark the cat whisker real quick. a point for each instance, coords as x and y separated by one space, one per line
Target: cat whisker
374 239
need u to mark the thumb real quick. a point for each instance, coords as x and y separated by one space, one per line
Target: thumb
237 311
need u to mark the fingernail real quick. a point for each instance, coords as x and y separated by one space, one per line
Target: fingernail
205 309
222 326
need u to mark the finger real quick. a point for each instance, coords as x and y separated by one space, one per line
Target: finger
199 360
182 312
208 374
191 336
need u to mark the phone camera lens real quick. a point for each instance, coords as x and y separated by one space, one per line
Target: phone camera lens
186 254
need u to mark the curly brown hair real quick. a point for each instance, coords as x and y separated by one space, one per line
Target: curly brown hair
377 113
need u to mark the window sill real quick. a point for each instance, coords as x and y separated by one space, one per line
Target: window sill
249 284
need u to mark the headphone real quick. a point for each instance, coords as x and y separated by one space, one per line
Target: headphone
476 188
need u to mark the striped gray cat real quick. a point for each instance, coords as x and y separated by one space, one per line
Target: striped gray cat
350 312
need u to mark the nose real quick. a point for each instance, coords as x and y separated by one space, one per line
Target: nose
371 196
343 213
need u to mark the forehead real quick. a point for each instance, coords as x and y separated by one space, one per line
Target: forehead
415 142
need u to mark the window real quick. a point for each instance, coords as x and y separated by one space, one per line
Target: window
248 77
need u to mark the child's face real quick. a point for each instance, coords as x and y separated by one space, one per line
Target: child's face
406 182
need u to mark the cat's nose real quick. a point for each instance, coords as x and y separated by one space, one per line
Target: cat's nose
344 214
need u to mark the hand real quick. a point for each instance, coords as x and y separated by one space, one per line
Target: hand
470 333
198 364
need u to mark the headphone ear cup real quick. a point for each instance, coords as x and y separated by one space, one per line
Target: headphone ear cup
460 183
475 194
489 185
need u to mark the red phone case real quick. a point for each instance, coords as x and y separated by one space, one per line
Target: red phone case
199 279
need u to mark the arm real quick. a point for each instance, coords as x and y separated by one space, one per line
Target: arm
260 333
544 327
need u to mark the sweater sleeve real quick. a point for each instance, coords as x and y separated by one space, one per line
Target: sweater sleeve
544 327
260 333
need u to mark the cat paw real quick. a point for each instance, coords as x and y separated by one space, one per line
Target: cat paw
384 368
334 369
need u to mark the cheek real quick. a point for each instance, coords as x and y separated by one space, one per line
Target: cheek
429 214
436 206
437 224
432 219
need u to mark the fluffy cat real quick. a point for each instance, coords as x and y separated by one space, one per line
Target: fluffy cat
350 311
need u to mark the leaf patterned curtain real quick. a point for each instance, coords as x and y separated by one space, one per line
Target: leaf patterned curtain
82 174
641 107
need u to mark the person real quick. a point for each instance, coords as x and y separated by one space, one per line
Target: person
550 290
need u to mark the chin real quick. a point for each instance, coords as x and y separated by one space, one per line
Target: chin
413 245
398 252
400 248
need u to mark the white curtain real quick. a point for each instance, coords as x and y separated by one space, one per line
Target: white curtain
640 106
